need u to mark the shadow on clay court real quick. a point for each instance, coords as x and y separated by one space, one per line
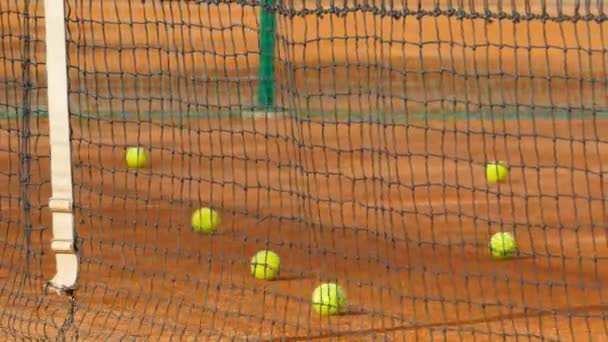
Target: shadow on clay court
496 318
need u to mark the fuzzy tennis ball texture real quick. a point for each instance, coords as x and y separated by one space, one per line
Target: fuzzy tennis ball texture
503 245
328 299
205 220
496 172
137 157
265 265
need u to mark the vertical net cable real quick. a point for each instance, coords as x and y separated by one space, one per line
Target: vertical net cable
24 175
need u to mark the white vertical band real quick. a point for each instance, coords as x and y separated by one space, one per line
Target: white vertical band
60 204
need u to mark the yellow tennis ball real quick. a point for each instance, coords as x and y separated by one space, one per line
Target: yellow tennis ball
137 157
265 265
328 299
503 245
205 220
496 172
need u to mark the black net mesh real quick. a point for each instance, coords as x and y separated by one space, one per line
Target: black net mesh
25 312
369 173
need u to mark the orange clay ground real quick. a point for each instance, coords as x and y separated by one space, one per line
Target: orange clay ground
410 252
399 215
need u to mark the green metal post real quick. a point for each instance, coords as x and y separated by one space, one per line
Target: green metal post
267 44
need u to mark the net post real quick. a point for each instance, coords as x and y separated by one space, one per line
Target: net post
61 201
267 38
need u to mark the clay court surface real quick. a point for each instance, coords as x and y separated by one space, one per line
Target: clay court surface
397 212
409 251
